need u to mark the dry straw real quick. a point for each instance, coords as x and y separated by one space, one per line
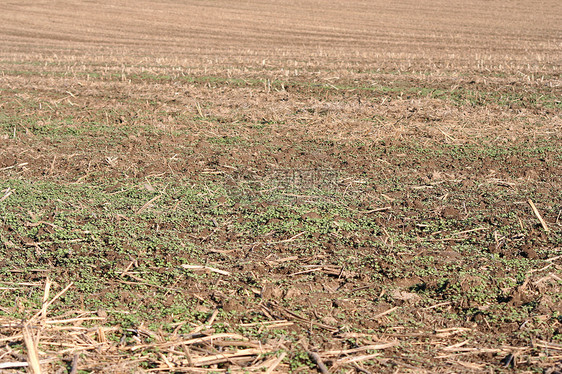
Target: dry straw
537 213
78 341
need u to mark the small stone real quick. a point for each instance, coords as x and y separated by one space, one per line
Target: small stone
405 296
329 320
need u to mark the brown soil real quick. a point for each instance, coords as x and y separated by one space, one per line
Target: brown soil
449 110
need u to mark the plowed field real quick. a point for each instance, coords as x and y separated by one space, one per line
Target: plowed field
296 186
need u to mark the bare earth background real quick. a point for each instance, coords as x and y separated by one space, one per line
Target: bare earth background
265 186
